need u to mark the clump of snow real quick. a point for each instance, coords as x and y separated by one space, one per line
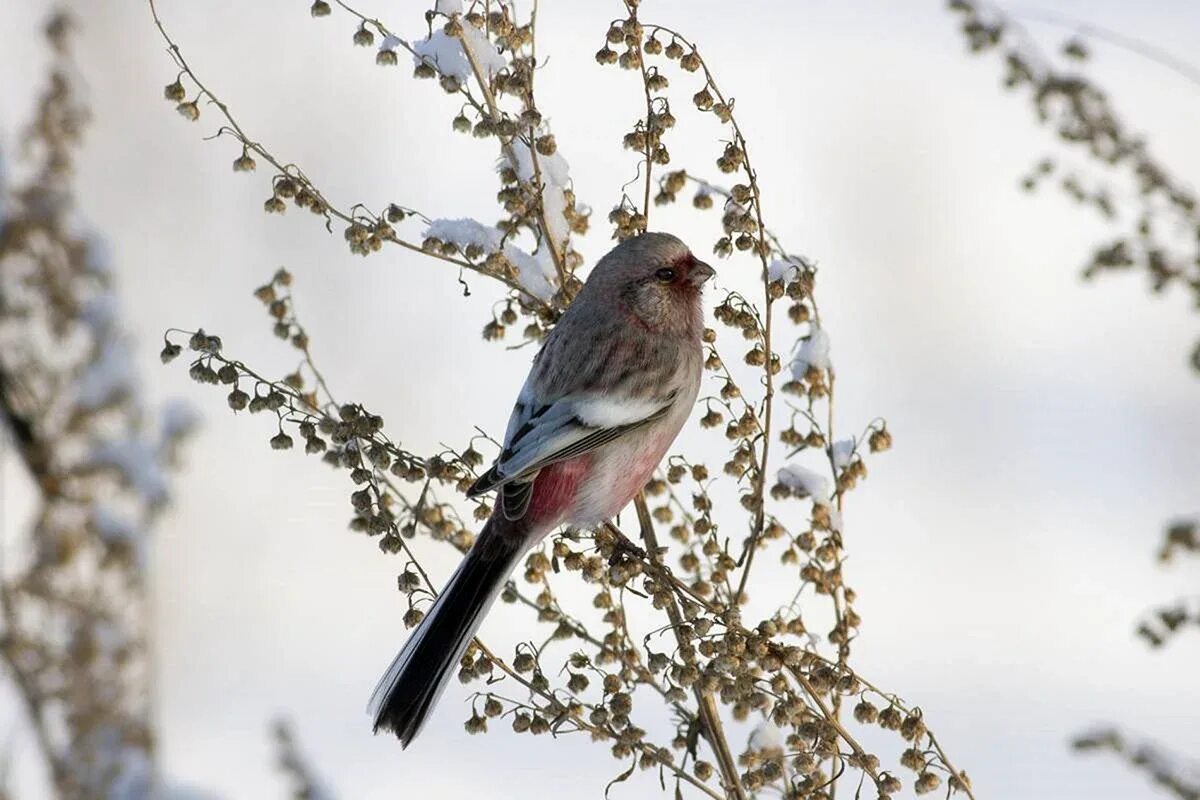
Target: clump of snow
122 768
766 736
389 43
3 193
139 463
813 352
107 378
842 452
174 791
100 313
112 526
464 232
786 269
556 179
554 168
98 256
532 271
805 482
448 7
110 638
537 272
178 418
780 270
446 53
487 55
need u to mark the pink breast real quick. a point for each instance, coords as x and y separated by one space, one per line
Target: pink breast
555 489
633 479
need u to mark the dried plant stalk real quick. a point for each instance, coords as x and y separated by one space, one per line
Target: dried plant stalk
593 673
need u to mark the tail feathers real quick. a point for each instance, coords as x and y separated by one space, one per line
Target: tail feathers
419 674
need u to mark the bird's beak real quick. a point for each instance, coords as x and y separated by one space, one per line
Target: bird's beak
700 272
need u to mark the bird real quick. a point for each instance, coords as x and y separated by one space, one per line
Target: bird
611 387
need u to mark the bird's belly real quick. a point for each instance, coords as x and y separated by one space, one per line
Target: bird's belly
618 473
556 490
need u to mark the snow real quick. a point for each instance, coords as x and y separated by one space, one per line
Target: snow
111 526
780 270
786 269
100 313
554 168
813 352
446 53
766 736
178 418
842 452
556 179
540 272
556 174
98 257
448 7
465 231
806 482
532 272
487 55
138 462
3 192
106 378
109 638
106 765
389 43
173 791
134 778
116 529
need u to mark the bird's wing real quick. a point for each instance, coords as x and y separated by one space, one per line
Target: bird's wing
542 434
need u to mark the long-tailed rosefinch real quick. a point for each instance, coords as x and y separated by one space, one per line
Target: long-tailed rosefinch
608 392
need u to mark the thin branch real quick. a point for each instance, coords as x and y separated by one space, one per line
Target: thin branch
709 714
326 207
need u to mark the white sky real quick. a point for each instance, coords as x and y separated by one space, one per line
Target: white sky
1045 429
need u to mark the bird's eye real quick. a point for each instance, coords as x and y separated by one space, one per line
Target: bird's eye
665 275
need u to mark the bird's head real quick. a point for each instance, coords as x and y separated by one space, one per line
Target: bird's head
655 278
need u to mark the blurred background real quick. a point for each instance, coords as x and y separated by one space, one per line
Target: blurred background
1003 551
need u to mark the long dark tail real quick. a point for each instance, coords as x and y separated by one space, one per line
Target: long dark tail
418 675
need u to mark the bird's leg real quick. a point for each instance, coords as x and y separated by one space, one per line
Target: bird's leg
622 545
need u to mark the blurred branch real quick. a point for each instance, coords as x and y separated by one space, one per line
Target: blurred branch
1170 772
1124 41
1163 239
302 777
1085 120
73 597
